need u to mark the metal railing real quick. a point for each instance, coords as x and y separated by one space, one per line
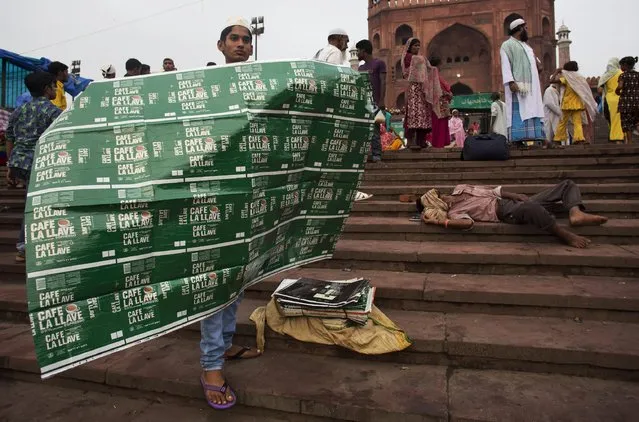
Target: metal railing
11 83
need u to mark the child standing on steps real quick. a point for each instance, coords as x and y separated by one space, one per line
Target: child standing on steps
577 99
628 91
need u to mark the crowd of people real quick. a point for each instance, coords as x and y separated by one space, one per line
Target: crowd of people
565 109
568 99
428 121
135 67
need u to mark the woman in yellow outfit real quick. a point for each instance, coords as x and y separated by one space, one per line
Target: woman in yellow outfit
608 83
577 99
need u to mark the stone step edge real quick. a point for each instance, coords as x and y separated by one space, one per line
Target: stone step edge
446 334
440 333
565 292
587 187
276 381
400 225
486 253
519 254
160 366
112 399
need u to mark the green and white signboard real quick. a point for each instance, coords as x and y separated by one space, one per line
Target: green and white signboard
157 199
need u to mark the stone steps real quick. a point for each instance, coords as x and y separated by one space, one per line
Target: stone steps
11 271
317 386
461 257
11 204
622 175
520 164
616 232
611 208
103 403
583 297
588 191
478 306
11 193
573 151
10 220
601 349
485 258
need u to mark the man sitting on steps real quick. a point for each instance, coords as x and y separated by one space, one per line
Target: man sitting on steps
470 203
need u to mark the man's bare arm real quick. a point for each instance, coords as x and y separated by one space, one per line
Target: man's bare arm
520 197
461 224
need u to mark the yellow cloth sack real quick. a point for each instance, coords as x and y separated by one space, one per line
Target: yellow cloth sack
380 335
396 145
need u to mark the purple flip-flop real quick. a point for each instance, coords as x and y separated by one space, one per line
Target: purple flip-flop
222 389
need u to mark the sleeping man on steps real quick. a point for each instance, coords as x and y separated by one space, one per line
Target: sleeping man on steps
470 203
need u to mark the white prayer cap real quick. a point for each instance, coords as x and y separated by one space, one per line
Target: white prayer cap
337 31
517 22
238 21
107 70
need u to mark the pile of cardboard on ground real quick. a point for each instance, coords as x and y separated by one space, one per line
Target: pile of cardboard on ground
343 301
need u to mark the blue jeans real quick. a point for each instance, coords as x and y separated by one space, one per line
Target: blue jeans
217 336
22 175
376 142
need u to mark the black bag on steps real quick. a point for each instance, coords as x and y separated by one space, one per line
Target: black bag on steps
486 147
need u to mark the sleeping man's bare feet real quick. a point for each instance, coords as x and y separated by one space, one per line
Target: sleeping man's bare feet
579 218
570 238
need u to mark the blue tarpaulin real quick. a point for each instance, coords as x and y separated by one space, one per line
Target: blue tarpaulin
15 67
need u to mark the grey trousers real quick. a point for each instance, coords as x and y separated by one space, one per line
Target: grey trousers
541 207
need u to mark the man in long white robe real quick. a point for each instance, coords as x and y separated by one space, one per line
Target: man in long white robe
524 105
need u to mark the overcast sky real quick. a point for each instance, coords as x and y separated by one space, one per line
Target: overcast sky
109 32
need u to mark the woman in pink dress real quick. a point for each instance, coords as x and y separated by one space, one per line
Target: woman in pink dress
423 91
456 128
441 111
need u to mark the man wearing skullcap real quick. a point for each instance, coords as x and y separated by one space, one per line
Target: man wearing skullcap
336 50
108 71
520 71
216 344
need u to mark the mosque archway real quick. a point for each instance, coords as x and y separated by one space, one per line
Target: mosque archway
545 27
470 58
461 89
398 70
377 42
402 34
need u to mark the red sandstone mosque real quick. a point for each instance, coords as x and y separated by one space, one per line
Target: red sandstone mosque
465 34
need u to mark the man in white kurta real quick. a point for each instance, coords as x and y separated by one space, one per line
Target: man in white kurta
336 50
335 53
498 115
552 112
524 105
